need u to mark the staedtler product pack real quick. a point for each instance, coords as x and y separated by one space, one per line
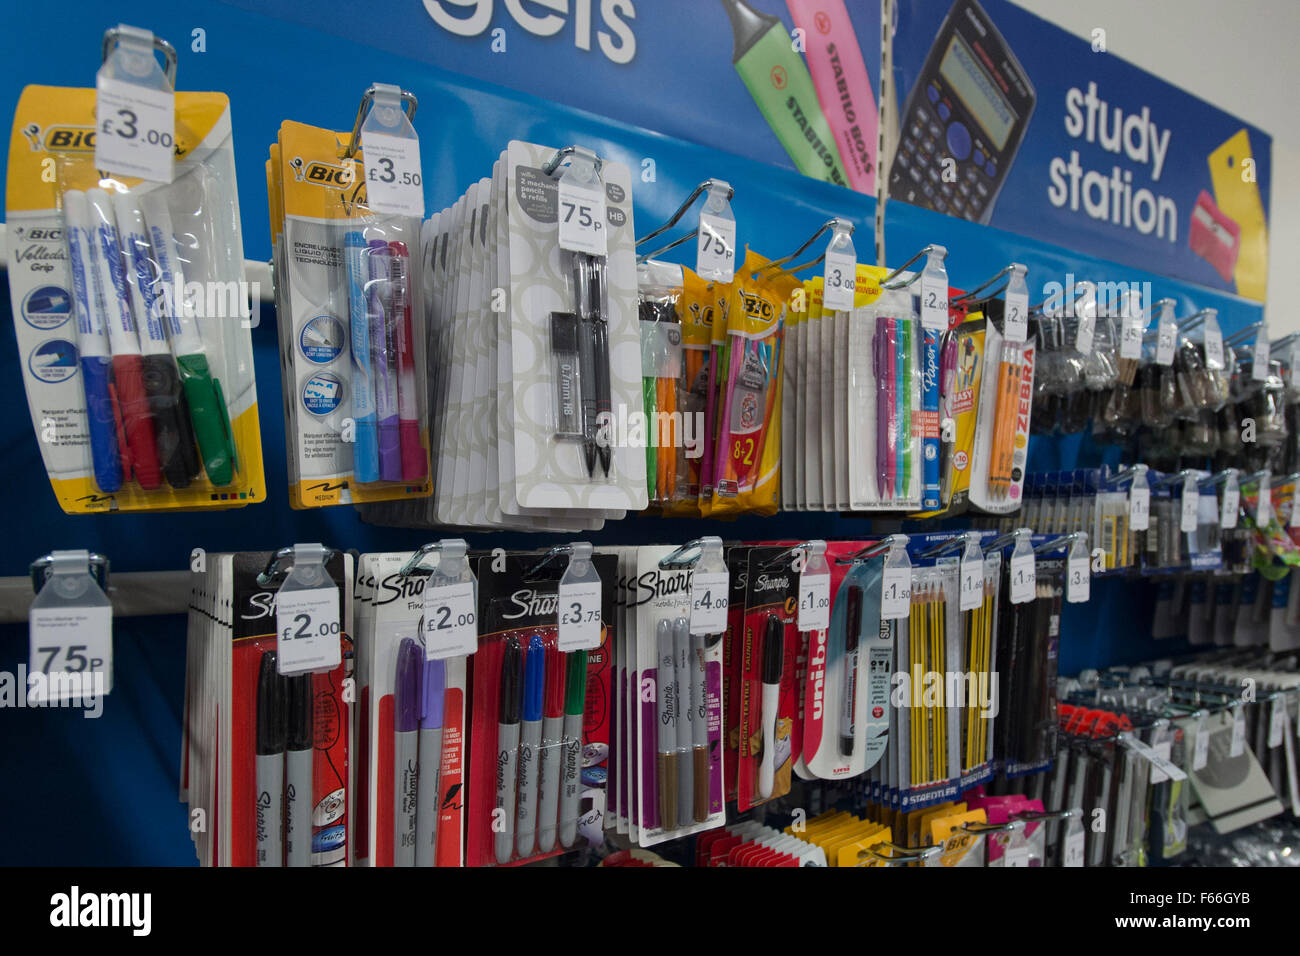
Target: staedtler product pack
349 301
126 279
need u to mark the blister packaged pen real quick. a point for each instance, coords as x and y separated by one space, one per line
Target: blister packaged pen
1001 446
127 286
659 294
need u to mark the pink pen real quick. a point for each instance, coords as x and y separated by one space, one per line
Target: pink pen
839 74
415 463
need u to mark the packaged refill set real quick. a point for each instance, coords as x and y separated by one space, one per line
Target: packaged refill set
349 299
131 310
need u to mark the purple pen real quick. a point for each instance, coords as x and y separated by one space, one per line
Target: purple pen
384 330
406 724
428 802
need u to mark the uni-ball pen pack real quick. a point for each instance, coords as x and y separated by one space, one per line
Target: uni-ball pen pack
679 711
126 280
411 729
540 721
352 324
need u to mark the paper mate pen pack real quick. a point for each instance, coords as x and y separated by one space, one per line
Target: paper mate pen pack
130 307
285 744
412 733
679 711
539 725
352 331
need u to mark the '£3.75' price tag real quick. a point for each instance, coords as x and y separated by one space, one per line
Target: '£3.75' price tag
578 610
450 620
307 630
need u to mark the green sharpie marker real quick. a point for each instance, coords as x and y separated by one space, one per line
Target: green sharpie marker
780 84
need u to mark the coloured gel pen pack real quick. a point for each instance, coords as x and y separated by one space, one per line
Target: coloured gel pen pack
352 325
129 304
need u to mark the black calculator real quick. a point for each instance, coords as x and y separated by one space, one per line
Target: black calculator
971 103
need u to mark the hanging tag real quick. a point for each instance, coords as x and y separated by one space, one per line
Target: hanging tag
1015 323
934 291
1201 744
1277 722
1189 503
1259 355
135 111
1074 844
390 149
896 582
1157 760
1238 744
1132 326
715 250
581 205
815 589
1024 585
1264 503
450 624
1078 571
1213 339
1016 856
307 627
710 589
1139 501
1231 501
1086 327
70 634
971 574
1166 335
579 602
840 277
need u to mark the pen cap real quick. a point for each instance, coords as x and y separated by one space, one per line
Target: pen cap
534 678
512 660
300 699
555 679
773 650
433 687
270 706
406 689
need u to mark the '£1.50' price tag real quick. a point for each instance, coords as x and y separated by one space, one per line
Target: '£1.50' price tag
307 630
578 610
896 594
450 620
709 599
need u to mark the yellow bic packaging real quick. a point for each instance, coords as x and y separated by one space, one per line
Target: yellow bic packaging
960 848
176 425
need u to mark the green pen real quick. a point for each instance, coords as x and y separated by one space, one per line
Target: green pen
781 86
575 705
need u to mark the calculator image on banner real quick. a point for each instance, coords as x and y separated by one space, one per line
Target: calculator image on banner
971 103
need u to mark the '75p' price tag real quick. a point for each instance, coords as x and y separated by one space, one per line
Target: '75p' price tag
578 610
715 251
135 130
710 595
71 641
307 630
450 620
392 168
582 218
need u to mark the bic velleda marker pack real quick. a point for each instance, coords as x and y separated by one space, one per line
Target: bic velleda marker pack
126 279
351 322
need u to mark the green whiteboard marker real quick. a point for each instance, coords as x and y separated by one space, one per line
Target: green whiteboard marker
780 84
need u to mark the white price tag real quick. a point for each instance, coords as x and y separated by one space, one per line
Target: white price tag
1130 337
1160 763
710 593
1188 504
73 649
1238 745
583 226
394 183
450 620
1213 347
1139 507
1277 722
840 281
895 594
307 630
1015 325
1078 580
814 602
1231 504
934 303
1074 843
971 593
715 251
1085 333
135 130
1024 587
578 608
1260 357
1264 503
1016 856
1201 746
1166 340
1165 749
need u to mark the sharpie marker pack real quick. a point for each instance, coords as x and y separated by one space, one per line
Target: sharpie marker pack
539 725
411 723
265 754
352 324
130 309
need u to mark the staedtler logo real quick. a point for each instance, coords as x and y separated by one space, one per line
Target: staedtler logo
133 911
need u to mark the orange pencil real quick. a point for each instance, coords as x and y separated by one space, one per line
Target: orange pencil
999 427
